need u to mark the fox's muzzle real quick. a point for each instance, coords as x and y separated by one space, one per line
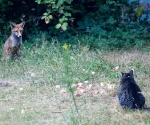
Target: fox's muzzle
18 34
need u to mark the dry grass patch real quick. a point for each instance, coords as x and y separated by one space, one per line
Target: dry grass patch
126 58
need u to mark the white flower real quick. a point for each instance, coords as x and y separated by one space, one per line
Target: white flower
22 111
20 89
117 67
11 109
80 83
92 72
86 81
57 86
102 84
71 58
32 74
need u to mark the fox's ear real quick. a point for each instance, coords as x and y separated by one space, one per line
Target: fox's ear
22 24
12 25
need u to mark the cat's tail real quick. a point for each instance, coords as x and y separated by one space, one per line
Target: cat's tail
147 109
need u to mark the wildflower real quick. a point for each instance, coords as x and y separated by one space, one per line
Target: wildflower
11 109
93 73
20 89
57 86
71 58
65 46
32 74
102 84
80 83
22 111
117 67
86 81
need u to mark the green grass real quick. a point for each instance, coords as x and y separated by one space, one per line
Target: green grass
34 99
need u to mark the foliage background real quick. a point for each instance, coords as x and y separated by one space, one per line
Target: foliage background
97 23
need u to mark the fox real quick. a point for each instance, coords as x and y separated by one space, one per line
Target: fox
11 48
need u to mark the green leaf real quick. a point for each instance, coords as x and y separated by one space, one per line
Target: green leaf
38 1
61 20
111 20
61 11
50 17
45 14
66 19
43 17
58 26
65 23
9 3
68 1
64 26
139 12
67 14
48 11
81 25
67 7
60 2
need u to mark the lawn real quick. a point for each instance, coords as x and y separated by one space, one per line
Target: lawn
38 86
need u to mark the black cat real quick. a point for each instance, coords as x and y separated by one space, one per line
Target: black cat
129 93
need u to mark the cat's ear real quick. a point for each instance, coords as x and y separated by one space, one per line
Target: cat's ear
131 72
122 73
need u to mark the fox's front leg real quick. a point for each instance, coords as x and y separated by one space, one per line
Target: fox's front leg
18 54
8 54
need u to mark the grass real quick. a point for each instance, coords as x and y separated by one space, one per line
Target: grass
34 98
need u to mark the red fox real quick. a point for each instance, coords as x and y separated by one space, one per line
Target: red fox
11 49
